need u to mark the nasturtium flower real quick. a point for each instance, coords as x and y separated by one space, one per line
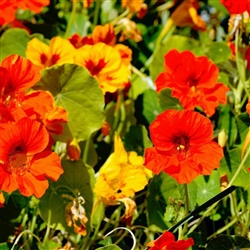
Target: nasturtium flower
167 242
193 80
8 8
186 14
248 107
59 51
132 5
77 41
16 75
104 34
26 159
42 104
236 7
183 146
87 3
105 64
122 175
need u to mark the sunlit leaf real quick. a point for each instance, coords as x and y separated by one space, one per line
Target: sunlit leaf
79 93
219 52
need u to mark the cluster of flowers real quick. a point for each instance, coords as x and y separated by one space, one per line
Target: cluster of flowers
107 61
28 119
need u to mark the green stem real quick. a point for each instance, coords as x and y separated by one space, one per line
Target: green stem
239 168
186 211
86 150
45 239
71 19
96 13
246 226
125 13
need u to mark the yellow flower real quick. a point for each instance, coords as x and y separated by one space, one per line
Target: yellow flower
122 175
59 52
105 64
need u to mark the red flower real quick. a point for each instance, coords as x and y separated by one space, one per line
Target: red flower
26 159
182 146
167 242
193 80
237 7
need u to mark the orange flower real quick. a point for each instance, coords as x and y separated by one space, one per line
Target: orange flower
8 15
42 105
33 5
186 15
59 52
248 107
25 159
87 3
132 5
183 145
105 34
237 7
10 7
105 63
2 199
125 53
16 75
167 242
193 80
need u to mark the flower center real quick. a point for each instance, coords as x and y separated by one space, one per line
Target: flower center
182 143
93 68
19 163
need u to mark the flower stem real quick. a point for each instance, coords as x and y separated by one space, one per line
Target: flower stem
96 13
239 168
71 19
186 211
164 31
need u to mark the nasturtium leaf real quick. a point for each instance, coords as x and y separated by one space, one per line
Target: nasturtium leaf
207 189
91 155
161 188
151 105
227 122
230 164
74 182
4 246
79 93
219 52
107 241
192 194
224 242
14 41
137 139
180 43
167 101
139 85
109 247
243 123
197 240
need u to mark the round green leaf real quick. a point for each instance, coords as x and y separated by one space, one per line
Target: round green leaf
79 93
75 181
219 52
161 188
